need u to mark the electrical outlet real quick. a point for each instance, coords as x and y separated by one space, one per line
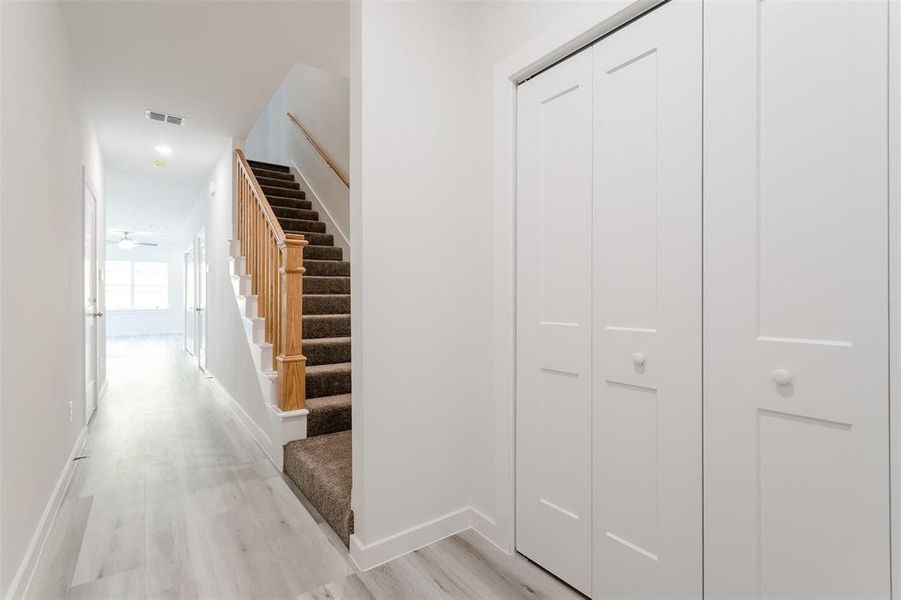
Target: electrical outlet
71 411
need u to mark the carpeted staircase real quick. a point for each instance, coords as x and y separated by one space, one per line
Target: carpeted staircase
319 465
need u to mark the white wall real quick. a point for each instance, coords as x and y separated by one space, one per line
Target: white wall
419 305
319 100
47 140
228 354
152 322
425 317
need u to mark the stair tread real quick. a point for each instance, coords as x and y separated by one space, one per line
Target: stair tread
267 166
277 183
281 192
302 223
330 368
328 340
321 467
331 295
276 197
316 403
291 212
260 172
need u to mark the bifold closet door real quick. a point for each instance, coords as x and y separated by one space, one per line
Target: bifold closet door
796 300
553 415
647 307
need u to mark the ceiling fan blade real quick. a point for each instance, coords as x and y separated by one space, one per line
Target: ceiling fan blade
145 244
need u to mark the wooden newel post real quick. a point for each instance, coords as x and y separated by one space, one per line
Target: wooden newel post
292 364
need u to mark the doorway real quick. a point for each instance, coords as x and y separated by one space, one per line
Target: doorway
92 303
190 302
195 300
200 269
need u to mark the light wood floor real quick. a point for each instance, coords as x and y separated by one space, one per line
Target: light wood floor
173 499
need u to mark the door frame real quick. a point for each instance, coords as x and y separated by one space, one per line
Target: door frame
573 33
88 188
894 211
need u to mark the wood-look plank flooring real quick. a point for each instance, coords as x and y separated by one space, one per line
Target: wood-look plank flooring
175 500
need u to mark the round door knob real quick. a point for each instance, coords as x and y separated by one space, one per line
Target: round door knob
782 377
639 359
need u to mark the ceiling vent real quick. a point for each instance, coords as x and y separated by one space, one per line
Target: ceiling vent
164 118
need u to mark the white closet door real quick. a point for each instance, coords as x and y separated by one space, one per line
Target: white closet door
647 317
553 416
795 336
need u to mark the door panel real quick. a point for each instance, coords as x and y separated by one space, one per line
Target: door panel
190 303
647 307
91 304
200 310
553 313
796 316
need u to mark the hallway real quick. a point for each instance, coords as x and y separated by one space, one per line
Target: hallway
173 499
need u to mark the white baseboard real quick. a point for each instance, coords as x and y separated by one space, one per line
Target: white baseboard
22 579
369 556
487 528
256 432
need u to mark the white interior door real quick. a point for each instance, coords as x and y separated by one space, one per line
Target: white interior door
553 413
91 305
200 310
190 303
796 322
647 307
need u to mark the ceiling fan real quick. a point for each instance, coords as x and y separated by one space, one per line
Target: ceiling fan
127 243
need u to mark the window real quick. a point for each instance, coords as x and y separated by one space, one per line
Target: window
137 285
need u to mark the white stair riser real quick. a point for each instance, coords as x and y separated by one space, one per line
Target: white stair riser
262 356
255 329
237 266
241 285
269 386
248 305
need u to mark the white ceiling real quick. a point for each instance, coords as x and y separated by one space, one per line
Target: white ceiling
215 63
153 210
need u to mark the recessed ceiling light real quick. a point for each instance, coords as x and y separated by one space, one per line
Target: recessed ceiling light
154 227
164 150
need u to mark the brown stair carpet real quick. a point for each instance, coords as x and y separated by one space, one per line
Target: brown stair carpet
319 465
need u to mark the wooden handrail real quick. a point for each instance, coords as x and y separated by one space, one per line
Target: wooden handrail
274 261
325 155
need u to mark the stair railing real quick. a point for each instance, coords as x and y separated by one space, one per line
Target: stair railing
322 152
274 262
